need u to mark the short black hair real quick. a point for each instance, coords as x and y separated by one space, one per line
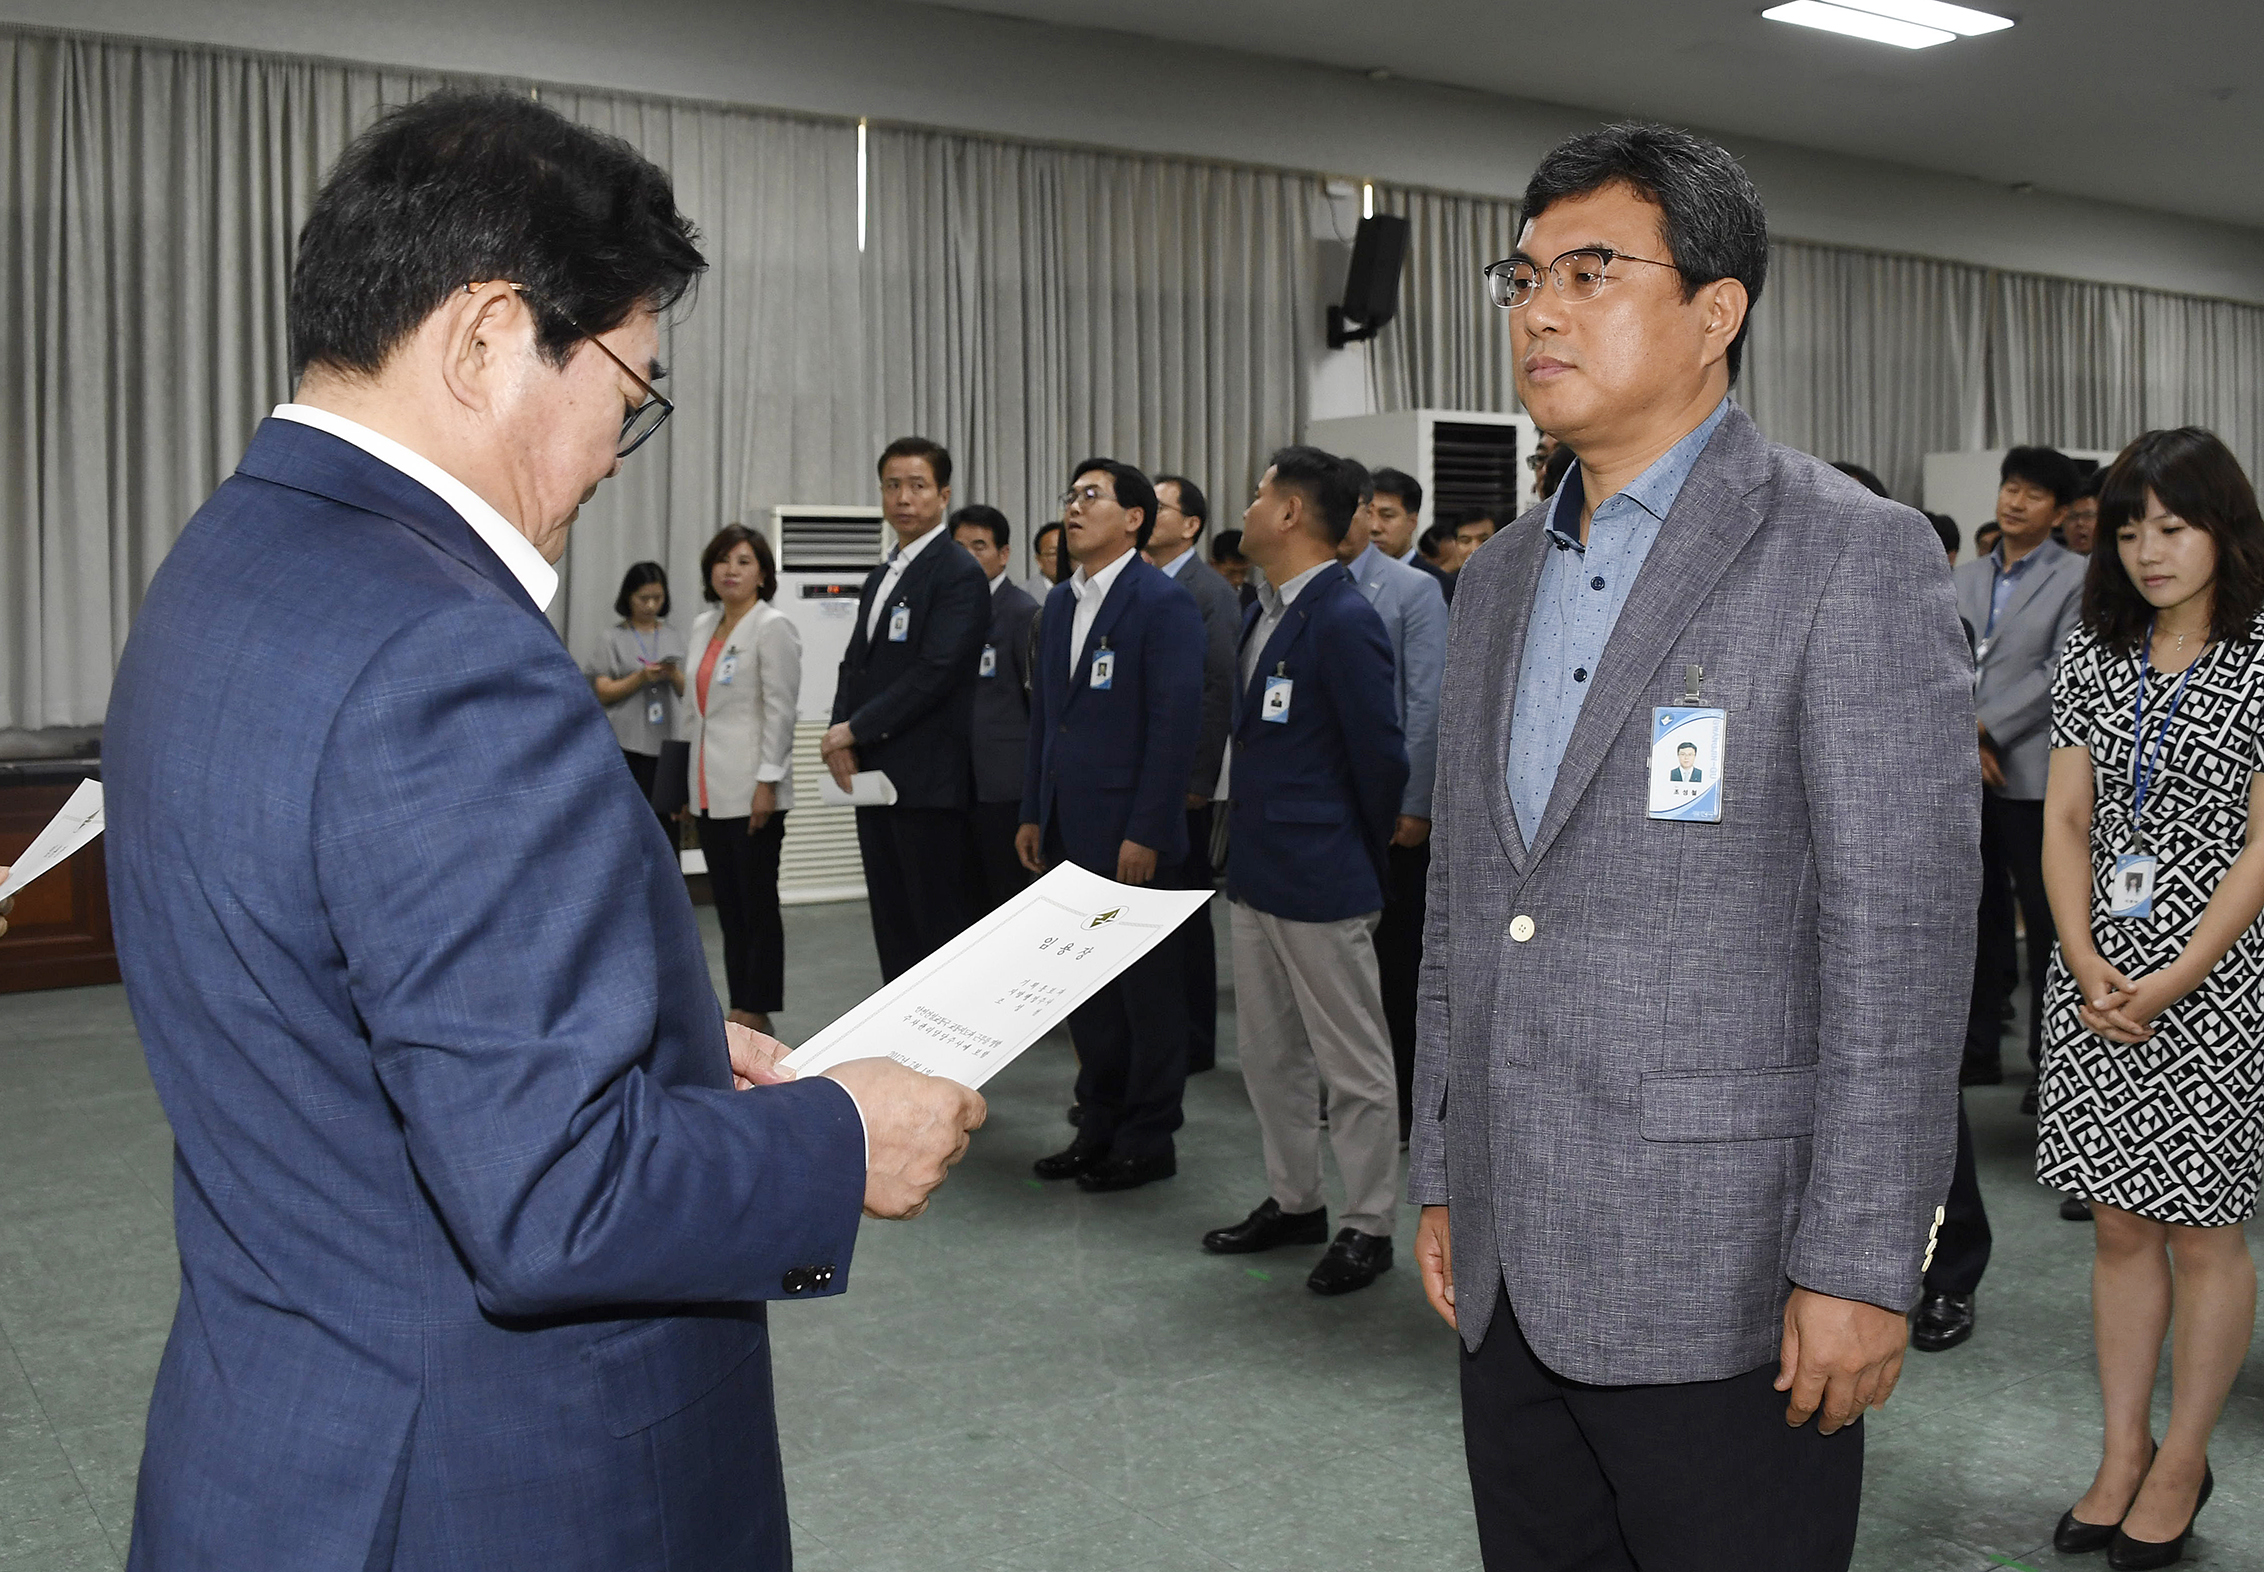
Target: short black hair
1363 482
1398 483
717 549
1133 490
2093 482
1192 502
937 455
1710 215
1946 527
1437 535
462 187
2195 476
1037 544
1686 747
1323 481
983 516
2048 468
1862 477
639 575
1225 544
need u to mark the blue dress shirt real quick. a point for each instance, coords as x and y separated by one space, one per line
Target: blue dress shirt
1575 607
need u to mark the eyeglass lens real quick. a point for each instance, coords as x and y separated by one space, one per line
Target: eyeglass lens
641 423
1578 275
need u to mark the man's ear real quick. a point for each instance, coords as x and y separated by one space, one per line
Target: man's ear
1726 307
481 332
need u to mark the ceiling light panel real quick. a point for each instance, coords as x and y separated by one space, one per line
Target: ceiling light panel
1858 24
1962 20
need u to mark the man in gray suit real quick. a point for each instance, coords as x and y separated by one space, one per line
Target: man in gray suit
1182 514
2022 601
1413 608
1678 1180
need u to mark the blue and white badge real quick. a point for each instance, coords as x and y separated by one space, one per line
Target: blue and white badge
1104 668
1275 705
899 624
2130 893
726 666
654 713
1686 764
988 665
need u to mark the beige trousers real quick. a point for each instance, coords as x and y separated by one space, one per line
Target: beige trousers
1308 1014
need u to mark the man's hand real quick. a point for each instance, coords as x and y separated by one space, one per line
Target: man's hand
1411 831
1434 1259
837 750
754 1058
1992 768
916 1127
1026 844
7 905
1135 864
1840 1354
764 805
1196 801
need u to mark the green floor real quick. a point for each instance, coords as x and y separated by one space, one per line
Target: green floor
1029 1377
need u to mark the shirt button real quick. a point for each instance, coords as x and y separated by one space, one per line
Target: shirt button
1521 927
1596 583
1580 674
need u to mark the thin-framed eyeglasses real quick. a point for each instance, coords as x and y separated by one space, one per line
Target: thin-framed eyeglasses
640 422
1579 274
1085 494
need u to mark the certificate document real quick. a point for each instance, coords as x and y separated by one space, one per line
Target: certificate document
967 1011
79 822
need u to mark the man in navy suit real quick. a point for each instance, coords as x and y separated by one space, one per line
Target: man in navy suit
1002 710
1314 787
1115 715
904 705
477 1197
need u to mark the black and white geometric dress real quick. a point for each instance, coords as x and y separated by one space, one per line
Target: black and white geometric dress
2171 1128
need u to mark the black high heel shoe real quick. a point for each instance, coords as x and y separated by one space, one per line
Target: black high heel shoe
2138 1555
2074 1537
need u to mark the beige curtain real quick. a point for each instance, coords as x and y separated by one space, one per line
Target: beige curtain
1033 306
1449 346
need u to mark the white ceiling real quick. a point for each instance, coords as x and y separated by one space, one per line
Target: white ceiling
2154 103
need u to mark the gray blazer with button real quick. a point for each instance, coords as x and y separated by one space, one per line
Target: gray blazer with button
1651 1127
2014 699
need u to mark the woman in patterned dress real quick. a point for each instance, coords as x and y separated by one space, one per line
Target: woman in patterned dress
2152 1106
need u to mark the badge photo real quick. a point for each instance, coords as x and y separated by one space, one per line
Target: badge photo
725 667
988 665
1686 764
2131 890
1275 705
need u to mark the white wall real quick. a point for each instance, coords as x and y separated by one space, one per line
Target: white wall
938 67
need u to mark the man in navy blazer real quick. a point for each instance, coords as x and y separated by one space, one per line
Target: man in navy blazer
1116 711
1002 710
478 1200
1314 788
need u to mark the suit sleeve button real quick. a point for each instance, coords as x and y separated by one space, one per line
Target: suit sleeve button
795 1280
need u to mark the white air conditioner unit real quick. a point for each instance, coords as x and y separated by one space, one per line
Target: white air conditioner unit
1461 458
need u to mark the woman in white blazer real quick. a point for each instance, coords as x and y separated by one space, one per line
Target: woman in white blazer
746 683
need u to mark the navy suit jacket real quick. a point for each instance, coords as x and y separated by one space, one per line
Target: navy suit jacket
1002 699
1110 765
1313 799
911 705
473 1229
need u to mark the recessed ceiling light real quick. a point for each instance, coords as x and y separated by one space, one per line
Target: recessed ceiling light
1959 19
1858 24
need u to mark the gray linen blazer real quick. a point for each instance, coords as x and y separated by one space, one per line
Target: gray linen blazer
2014 699
1651 1127
1414 611
1222 628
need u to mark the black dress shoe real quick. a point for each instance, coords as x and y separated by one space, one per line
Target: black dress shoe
1078 1159
2074 1209
1268 1227
1980 1073
1128 1173
1943 1321
2074 1537
1354 1261
2126 1554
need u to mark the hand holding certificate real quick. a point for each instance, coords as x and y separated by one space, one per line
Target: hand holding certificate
79 822
968 1010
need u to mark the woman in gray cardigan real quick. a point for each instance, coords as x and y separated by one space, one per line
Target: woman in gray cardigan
638 672
746 682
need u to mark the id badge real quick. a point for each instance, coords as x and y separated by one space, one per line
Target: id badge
2131 893
654 714
725 667
1686 764
1104 669
1275 705
988 665
899 624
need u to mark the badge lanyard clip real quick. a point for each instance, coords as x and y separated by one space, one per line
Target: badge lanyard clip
1692 678
2143 760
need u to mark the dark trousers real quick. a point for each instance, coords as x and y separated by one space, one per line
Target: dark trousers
742 869
999 873
1199 946
1961 1249
1132 1056
1682 1478
1399 963
916 880
2012 861
644 766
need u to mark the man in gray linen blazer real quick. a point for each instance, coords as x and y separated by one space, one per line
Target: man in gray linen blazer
1675 1167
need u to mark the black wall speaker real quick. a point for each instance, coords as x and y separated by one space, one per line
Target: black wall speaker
1371 284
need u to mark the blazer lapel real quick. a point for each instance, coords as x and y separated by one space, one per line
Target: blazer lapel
1285 636
1519 579
1119 595
1709 524
2030 583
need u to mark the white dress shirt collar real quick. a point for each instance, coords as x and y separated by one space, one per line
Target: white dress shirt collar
537 577
1275 600
1096 588
996 582
919 543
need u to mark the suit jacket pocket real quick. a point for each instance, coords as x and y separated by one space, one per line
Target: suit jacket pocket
1728 1105
664 1366
1278 812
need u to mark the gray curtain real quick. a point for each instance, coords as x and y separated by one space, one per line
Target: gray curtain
1034 306
1449 346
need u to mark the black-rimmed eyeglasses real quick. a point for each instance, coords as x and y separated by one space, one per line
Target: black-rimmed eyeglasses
1578 275
640 422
